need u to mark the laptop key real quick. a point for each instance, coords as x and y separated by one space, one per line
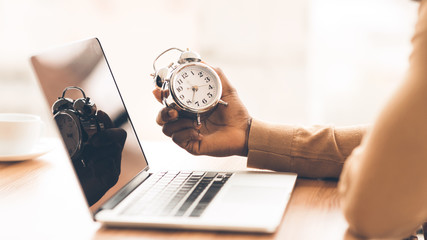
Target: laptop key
169 194
195 194
207 198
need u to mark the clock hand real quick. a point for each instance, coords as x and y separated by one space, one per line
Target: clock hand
194 88
194 93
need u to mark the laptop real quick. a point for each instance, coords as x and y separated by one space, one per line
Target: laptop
113 171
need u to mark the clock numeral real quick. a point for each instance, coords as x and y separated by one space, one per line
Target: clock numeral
210 87
210 95
204 101
197 103
182 97
184 75
207 79
200 74
192 72
179 81
188 101
179 89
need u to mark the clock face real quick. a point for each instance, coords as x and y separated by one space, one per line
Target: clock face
196 87
70 131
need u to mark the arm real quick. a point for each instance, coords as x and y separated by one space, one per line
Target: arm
384 181
311 152
316 152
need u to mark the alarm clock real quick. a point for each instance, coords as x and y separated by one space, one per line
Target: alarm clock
77 122
189 85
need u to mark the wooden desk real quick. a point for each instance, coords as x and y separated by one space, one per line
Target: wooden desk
40 199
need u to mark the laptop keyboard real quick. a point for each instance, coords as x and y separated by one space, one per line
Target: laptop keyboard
176 193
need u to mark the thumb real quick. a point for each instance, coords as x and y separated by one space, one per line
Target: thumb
105 119
227 88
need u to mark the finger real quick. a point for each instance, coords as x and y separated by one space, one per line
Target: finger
109 136
176 126
164 93
105 119
227 88
166 115
158 95
188 139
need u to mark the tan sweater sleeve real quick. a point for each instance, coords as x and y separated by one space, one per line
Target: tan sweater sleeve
384 182
316 152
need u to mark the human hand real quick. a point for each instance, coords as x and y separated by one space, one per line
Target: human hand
222 133
104 151
103 154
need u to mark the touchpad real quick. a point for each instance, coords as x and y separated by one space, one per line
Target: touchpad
254 196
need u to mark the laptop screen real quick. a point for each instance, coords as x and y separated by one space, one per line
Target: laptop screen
91 117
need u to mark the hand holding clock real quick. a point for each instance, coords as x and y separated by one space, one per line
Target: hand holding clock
223 133
103 154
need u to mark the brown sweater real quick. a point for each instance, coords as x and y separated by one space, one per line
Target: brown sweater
316 152
383 184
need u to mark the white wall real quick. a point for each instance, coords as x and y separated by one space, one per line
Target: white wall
303 62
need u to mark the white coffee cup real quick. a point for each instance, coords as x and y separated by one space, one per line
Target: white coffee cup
19 133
